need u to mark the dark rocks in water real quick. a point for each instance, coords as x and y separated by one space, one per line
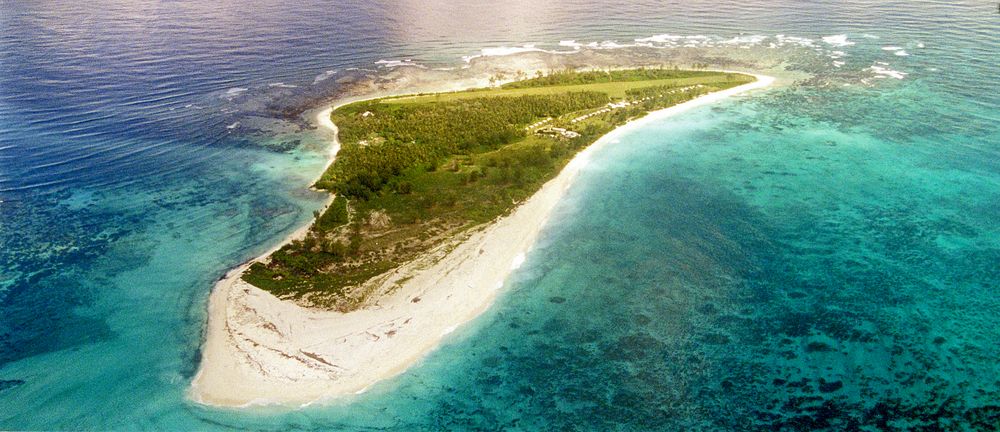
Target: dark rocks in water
284 146
795 324
818 347
557 299
190 367
726 384
9 384
939 340
803 383
829 386
708 309
824 416
492 381
983 418
632 347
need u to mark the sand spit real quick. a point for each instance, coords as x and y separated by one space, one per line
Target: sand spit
260 350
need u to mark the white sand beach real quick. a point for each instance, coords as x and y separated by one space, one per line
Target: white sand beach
261 350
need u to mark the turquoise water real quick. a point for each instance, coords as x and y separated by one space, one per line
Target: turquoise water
820 256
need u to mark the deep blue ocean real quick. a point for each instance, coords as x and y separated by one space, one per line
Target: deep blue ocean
821 256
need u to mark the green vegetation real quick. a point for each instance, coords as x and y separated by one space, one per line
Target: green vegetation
614 89
571 77
392 138
335 216
415 171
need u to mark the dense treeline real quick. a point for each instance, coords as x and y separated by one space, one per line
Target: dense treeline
570 77
381 140
336 215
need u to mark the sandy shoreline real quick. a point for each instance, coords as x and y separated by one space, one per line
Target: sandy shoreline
260 350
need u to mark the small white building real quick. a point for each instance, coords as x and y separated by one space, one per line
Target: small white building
560 132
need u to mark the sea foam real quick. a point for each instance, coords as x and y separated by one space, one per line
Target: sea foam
883 71
397 63
503 51
324 76
837 40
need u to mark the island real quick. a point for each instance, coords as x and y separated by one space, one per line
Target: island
435 198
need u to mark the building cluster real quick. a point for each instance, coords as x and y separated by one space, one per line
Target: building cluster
623 104
565 133
538 123
568 134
